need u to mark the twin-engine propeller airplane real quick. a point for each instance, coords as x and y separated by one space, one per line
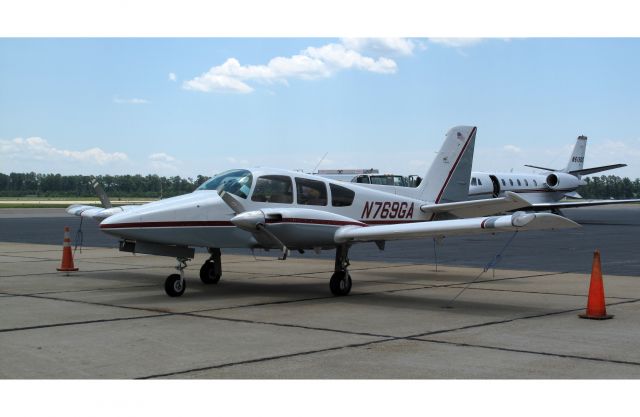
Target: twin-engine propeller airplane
278 209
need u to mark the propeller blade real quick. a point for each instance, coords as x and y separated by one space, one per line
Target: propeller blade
285 250
232 202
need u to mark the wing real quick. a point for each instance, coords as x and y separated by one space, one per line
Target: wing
474 208
481 225
586 203
96 213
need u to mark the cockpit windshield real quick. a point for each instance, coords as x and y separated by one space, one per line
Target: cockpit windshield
235 181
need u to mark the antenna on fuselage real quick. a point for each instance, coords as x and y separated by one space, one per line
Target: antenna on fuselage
318 165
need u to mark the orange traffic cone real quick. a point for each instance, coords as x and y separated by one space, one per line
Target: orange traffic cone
596 309
67 256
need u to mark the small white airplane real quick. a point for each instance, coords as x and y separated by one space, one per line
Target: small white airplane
278 209
544 191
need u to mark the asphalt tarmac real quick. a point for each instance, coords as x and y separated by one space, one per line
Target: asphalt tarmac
615 231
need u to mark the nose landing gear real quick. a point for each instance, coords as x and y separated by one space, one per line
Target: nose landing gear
175 284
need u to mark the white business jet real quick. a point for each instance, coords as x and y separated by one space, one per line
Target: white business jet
286 210
544 191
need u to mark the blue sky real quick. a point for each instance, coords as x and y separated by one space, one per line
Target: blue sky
187 106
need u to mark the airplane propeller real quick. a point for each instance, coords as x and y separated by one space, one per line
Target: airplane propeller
254 222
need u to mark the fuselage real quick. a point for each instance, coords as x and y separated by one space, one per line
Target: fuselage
315 206
536 188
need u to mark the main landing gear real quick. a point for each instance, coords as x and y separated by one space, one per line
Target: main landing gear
211 270
340 282
210 273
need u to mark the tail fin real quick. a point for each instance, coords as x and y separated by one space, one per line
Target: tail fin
577 156
448 177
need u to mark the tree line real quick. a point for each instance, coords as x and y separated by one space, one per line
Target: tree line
55 185
153 186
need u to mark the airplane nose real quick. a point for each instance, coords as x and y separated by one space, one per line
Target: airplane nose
162 220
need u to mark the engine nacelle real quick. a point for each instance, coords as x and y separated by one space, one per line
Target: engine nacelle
562 181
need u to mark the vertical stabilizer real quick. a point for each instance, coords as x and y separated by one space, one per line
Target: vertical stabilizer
448 177
577 156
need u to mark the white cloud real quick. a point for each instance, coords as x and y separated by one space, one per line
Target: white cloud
119 100
512 149
382 46
210 82
172 76
162 157
164 163
311 63
38 148
456 42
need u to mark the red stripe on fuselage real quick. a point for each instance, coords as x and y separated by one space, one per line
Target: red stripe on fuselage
139 225
143 225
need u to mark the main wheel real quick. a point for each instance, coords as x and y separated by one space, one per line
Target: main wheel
174 285
209 273
340 283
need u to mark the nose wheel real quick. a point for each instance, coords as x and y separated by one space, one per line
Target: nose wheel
175 284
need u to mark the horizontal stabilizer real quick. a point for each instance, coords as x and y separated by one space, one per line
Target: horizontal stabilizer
474 208
546 169
442 228
588 171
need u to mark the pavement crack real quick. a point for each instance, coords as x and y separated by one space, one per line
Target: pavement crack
531 352
263 359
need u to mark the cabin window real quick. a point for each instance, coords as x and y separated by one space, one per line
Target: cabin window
341 196
473 181
503 182
526 182
235 181
479 182
273 189
535 183
311 192
519 183
510 181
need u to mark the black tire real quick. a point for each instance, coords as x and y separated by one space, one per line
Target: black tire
209 274
174 286
340 283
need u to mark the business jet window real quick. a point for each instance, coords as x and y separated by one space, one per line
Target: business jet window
311 192
273 189
526 183
510 181
236 181
473 181
519 183
341 196
535 183
503 183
